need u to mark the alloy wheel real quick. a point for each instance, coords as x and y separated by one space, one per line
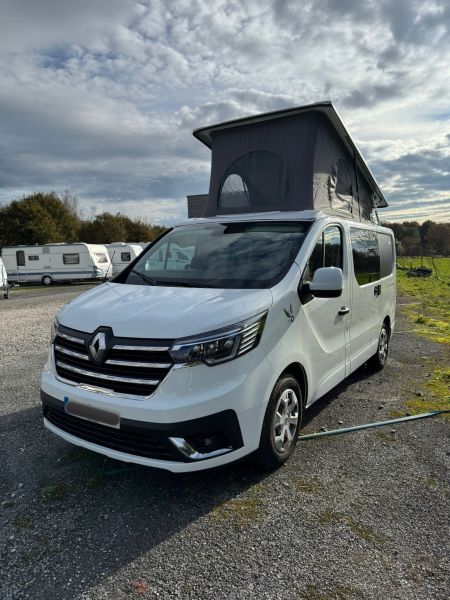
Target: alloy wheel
285 420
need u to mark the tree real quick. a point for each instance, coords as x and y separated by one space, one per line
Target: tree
72 204
437 238
399 247
104 229
107 228
39 218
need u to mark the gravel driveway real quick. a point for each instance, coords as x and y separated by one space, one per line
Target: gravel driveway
363 515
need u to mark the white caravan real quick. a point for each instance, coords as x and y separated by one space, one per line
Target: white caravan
194 363
4 286
53 263
121 255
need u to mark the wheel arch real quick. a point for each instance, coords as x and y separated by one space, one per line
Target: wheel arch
298 372
387 322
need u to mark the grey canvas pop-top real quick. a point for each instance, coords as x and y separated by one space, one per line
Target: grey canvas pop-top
294 159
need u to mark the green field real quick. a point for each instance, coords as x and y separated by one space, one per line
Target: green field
426 302
429 310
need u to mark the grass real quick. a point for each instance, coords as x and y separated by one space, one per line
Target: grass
363 532
430 482
243 511
310 485
436 394
429 311
95 481
53 491
22 522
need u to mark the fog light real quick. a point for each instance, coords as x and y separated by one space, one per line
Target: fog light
205 447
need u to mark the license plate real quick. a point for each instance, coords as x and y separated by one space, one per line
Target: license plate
92 413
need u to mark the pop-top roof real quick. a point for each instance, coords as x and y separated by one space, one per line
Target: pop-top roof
325 145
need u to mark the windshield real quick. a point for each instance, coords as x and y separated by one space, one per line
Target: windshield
225 255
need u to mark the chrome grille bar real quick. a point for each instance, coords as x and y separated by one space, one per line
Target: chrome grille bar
106 376
71 352
144 348
146 365
70 338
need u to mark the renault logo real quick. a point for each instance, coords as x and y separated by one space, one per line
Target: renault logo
97 347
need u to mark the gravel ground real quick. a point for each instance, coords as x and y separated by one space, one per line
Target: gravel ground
363 516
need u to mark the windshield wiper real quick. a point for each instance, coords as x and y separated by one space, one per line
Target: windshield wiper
183 284
148 280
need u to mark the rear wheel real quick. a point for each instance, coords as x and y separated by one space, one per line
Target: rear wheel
47 280
282 423
379 359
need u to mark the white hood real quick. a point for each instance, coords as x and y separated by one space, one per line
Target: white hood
141 311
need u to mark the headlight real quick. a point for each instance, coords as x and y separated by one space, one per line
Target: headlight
54 330
220 345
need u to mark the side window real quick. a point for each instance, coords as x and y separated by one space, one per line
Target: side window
20 258
332 238
71 259
327 253
33 257
125 256
366 256
386 246
316 258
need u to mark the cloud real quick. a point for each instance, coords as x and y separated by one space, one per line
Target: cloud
101 96
32 25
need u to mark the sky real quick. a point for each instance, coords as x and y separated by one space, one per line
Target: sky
100 97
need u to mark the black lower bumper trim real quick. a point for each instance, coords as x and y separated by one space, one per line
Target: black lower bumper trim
150 440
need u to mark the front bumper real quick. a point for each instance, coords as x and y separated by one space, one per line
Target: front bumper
188 394
184 446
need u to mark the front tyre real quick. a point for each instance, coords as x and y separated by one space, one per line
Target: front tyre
282 423
378 360
47 280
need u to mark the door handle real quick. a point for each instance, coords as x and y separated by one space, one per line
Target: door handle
377 290
344 310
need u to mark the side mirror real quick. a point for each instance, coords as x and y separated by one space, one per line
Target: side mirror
327 283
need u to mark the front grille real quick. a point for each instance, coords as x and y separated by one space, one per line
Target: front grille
139 442
130 366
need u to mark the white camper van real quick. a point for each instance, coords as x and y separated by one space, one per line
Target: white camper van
4 285
288 286
53 263
121 255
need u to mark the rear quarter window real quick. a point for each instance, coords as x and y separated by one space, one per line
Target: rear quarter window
366 255
387 256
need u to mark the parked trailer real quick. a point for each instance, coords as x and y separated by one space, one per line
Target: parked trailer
4 286
52 263
121 255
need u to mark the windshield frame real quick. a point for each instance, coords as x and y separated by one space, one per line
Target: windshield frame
216 282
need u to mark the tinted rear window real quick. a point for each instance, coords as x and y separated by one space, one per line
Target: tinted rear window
366 257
